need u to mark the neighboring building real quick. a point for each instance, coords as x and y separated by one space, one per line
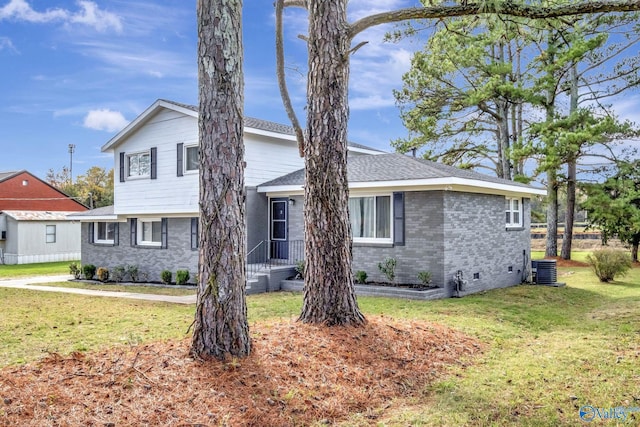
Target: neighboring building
33 221
428 216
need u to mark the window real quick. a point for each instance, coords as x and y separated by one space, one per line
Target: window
138 164
149 232
191 158
513 212
105 232
370 218
51 234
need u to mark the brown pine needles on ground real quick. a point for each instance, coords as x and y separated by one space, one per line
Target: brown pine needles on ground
297 375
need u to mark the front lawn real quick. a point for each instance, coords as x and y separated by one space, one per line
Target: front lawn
549 351
38 269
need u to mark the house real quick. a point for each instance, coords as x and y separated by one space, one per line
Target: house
153 223
33 221
427 216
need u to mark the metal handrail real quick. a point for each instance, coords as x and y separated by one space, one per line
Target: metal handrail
270 253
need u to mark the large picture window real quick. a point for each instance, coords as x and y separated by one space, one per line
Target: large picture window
370 218
513 212
138 164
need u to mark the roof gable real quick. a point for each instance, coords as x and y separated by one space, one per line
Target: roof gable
25 191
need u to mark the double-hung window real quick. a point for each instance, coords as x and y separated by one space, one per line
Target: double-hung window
149 232
51 234
513 212
370 218
191 158
139 164
104 232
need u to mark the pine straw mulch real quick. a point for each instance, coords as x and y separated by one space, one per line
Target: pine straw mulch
297 374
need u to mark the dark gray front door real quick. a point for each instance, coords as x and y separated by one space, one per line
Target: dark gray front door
279 243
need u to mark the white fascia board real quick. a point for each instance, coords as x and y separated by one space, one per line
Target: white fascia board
86 218
451 184
271 134
366 151
142 118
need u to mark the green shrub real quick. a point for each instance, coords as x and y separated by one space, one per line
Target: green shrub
300 266
182 277
425 277
75 270
103 274
166 277
608 263
361 277
118 273
132 271
89 271
388 268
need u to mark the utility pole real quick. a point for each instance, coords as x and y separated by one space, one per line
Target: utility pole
72 148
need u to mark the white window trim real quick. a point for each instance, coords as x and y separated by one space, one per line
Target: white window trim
127 159
47 234
511 210
186 171
95 233
376 239
139 233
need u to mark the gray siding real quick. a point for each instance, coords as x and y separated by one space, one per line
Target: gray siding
424 243
296 219
477 241
257 212
150 261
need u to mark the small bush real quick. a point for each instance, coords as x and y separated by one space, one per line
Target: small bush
300 266
89 271
182 277
132 271
609 263
118 273
166 277
425 277
388 268
75 270
103 274
361 277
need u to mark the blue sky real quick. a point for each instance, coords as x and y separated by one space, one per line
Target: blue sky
76 72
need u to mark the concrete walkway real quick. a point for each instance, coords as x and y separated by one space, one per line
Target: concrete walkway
28 283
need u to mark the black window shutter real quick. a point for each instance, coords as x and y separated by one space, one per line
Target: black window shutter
179 153
116 234
398 219
122 167
90 237
164 233
133 225
154 163
194 233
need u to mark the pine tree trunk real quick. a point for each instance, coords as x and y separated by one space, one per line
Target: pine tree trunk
220 328
552 214
634 248
572 175
329 296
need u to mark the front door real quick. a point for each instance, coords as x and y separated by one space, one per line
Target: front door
278 234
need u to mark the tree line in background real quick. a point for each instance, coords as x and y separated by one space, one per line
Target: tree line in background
94 189
524 98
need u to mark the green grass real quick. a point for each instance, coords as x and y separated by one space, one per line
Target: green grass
575 255
113 287
39 269
549 350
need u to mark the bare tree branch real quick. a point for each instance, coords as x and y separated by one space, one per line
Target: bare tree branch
295 3
282 81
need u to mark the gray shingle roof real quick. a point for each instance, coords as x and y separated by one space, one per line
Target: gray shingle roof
103 211
266 125
395 167
5 175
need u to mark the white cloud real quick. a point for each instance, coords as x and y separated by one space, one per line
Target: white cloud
6 43
106 120
90 15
